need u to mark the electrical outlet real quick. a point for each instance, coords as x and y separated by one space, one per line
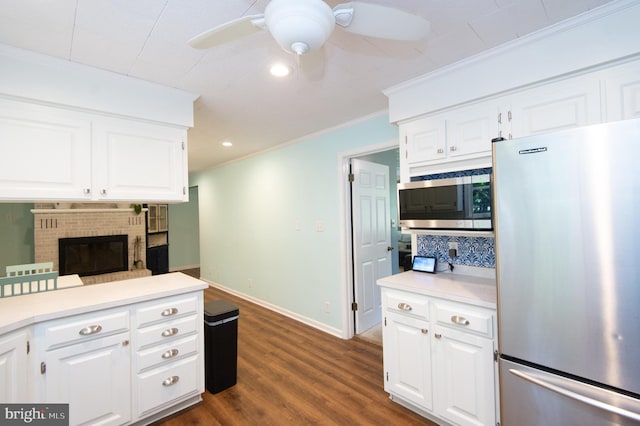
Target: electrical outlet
453 245
327 307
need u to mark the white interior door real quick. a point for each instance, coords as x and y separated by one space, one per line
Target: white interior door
371 238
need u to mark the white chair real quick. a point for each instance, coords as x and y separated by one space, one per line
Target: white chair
28 278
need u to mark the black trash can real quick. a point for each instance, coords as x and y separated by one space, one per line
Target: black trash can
220 345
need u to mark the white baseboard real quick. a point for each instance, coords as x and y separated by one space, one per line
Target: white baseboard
308 321
182 268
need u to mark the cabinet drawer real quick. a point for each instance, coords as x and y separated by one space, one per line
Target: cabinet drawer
168 330
167 352
464 318
407 303
84 327
162 386
166 309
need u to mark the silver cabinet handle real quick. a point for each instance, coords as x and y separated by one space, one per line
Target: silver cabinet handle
440 151
573 395
169 332
459 320
92 329
103 191
404 306
170 381
453 148
87 191
438 335
170 354
424 330
169 311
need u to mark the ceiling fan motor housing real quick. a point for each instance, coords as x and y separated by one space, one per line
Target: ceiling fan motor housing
299 25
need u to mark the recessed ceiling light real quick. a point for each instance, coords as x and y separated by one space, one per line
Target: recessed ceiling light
227 143
280 70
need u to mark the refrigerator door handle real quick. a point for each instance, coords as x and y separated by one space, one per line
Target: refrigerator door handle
573 395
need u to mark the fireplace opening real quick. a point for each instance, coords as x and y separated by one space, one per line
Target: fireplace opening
93 255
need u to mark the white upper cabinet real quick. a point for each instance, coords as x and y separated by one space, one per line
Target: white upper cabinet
45 153
558 106
49 153
622 92
460 138
139 161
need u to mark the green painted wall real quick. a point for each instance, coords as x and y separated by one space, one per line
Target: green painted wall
258 222
184 239
16 235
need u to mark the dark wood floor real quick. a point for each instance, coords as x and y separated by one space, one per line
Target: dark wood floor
293 374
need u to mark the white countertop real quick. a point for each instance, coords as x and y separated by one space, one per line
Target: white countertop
457 287
20 311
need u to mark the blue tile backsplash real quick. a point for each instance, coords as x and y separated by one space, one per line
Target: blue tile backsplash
472 251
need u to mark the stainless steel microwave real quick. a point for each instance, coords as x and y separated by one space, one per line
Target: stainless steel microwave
462 203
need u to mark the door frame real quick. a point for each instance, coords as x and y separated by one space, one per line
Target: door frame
346 230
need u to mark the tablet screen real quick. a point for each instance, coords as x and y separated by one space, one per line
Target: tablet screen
424 264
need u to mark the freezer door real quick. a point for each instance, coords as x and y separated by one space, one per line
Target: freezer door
532 397
568 246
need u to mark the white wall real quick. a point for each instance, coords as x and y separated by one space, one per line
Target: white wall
250 212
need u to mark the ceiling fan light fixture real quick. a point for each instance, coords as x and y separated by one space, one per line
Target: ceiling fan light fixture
294 24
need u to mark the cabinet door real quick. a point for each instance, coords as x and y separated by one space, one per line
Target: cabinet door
622 91
138 161
425 139
94 378
45 153
13 368
470 130
558 106
407 359
152 218
463 368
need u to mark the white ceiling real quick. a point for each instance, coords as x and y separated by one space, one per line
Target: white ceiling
239 101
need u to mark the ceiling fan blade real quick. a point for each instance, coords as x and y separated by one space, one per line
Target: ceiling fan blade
228 31
374 20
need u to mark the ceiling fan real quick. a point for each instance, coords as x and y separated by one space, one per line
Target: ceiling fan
300 26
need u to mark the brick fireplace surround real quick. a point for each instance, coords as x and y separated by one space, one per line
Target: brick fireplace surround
88 220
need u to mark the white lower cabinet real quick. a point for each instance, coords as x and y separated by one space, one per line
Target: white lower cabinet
115 366
168 352
439 357
463 377
407 359
13 367
94 378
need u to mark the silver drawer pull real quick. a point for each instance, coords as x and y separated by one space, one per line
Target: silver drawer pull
170 353
459 320
169 311
170 381
169 332
404 306
438 335
92 329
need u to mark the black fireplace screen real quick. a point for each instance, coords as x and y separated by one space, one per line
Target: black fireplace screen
93 255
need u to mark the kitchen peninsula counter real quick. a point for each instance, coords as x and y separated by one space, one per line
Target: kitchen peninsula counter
469 289
21 311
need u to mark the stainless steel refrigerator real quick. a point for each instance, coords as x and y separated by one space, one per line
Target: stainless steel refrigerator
567 210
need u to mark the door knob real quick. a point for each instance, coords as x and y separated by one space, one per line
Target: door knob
389 248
